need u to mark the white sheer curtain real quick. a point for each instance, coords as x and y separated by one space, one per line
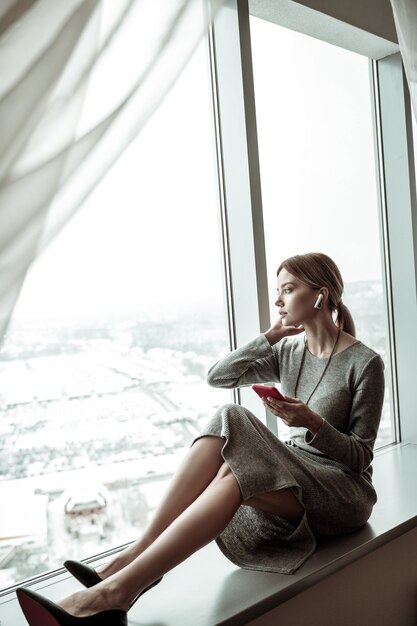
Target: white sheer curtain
71 100
405 17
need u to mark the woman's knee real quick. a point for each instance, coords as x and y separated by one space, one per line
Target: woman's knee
225 416
229 407
235 412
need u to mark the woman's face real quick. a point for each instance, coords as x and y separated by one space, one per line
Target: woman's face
295 299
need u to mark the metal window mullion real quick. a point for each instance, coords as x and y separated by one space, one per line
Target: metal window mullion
239 180
224 233
399 194
385 245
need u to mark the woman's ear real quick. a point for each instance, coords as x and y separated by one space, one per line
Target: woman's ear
321 298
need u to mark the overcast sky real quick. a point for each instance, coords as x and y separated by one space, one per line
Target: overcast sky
147 240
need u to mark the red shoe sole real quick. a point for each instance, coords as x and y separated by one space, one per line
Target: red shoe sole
35 614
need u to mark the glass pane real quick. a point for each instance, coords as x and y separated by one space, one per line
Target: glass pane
103 369
317 161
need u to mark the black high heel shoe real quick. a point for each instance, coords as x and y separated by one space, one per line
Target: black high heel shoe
88 576
42 612
84 573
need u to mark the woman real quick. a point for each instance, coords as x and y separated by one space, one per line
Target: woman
265 502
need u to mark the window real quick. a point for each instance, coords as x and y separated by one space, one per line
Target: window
319 191
103 368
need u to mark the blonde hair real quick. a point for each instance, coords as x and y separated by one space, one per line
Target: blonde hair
318 270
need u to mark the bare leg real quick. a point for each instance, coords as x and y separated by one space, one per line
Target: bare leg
283 503
200 523
195 473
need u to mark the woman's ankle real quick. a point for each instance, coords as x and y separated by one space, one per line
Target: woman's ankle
96 599
115 597
124 558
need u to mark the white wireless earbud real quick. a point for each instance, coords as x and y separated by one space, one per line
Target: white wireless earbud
319 301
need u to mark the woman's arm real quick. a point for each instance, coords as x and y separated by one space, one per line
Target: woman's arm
355 449
256 362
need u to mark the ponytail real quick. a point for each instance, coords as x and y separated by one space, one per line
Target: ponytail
344 319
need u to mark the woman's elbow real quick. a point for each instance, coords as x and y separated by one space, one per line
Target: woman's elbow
363 461
216 380
212 381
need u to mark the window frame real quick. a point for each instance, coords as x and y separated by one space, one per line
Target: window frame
394 137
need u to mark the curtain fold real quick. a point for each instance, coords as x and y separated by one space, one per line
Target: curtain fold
78 81
405 17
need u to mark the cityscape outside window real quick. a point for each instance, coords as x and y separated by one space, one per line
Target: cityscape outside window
319 190
103 368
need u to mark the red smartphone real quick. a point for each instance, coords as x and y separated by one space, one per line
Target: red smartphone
264 391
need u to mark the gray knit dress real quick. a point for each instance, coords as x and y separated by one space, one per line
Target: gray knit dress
330 472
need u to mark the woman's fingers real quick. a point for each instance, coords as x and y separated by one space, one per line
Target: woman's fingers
293 412
290 410
282 405
294 330
276 406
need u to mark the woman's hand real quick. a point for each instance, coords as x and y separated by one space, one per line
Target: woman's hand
277 331
293 412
